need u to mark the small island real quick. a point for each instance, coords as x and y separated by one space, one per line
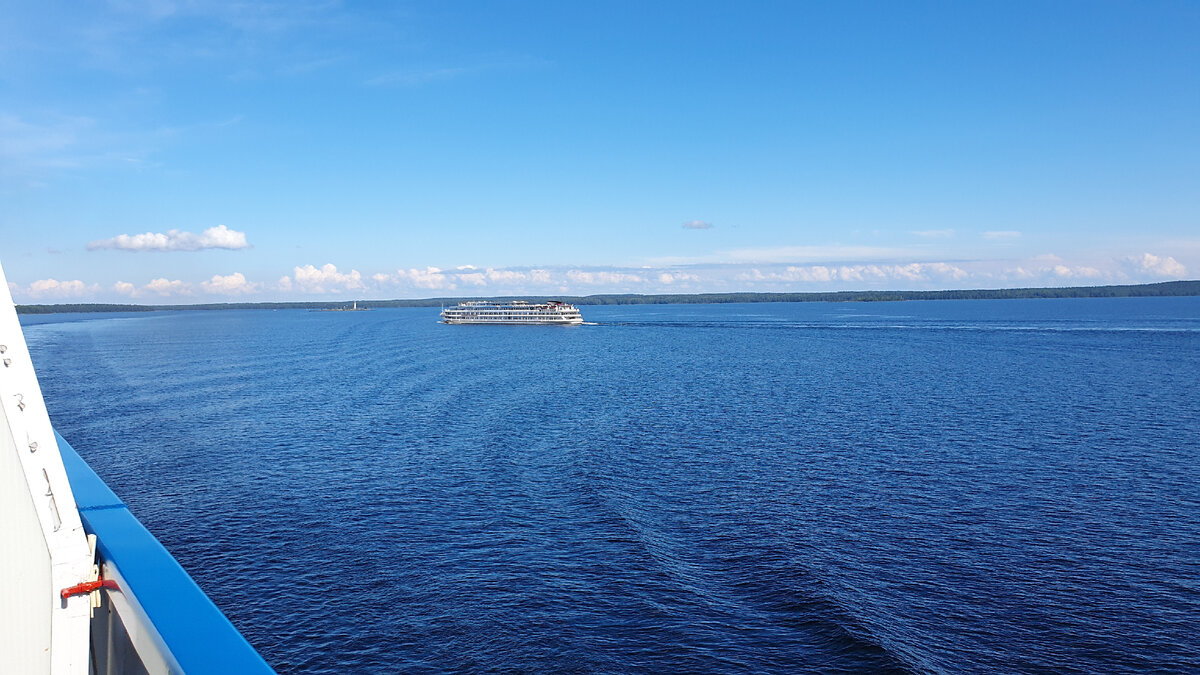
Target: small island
352 308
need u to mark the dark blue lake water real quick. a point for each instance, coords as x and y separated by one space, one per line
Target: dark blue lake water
948 486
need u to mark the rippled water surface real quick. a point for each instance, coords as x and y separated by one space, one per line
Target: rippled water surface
948 486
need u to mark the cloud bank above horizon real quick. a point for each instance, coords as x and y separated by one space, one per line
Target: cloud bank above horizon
307 282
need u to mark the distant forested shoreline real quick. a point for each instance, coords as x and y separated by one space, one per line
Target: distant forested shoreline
1163 289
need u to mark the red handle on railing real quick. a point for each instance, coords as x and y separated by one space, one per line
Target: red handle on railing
87 587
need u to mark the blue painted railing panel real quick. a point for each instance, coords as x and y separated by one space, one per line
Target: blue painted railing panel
198 637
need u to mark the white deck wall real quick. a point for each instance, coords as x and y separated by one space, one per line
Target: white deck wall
43 547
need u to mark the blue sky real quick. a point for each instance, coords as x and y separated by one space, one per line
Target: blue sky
165 151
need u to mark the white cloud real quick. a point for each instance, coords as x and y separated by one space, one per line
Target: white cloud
164 287
506 276
697 225
473 278
1164 266
603 277
1051 268
174 240
53 288
430 277
861 273
947 270
813 273
469 274
668 278
1076 271
325 279
935 234
998 235
463 275
230 284
1018 273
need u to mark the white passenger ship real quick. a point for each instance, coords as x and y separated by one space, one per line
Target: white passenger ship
517 312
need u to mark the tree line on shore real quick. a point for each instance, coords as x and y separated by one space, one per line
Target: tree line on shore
1166 288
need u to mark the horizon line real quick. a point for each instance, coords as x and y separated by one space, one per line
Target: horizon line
1177 288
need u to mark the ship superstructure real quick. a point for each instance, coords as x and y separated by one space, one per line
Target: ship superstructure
516 312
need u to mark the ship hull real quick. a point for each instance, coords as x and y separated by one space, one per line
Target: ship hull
515 322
